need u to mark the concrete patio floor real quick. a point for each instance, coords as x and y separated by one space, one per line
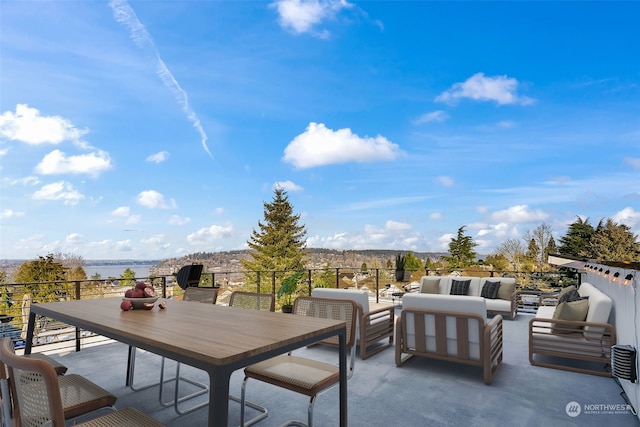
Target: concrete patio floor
422 392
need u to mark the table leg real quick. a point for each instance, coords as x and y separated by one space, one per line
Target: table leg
219 397
343 378
31 326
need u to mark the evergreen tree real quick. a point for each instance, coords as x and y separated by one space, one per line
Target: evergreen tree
614 242
279 243
576 242
411 262
461 250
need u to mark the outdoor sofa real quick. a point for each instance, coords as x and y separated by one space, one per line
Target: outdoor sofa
500 298
575 334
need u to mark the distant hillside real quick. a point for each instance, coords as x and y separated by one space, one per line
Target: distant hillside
318 258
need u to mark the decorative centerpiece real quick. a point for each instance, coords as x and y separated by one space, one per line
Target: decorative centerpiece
142 296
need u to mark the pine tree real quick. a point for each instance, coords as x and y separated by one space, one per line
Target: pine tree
279 243
614 242
461 250
576 242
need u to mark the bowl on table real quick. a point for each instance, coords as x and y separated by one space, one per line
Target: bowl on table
139 303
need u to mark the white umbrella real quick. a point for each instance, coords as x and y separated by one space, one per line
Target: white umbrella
26 308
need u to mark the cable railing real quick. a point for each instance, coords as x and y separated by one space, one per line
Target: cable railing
381 283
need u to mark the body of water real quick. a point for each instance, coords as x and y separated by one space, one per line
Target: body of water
106 271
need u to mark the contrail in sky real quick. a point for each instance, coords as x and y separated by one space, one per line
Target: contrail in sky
124 14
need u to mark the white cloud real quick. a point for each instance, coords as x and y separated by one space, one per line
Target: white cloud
218 211
501 89
121 211
337 241
158 157
57 162
436 216
287 186
519 213
319 146
207 236
444 240
154 200
445 181
28 126
73 238
3 151
179 220
10 213
156 239
397 226
302 16
434 116
27 180
123 246
627 216
133 219
61 190
634 162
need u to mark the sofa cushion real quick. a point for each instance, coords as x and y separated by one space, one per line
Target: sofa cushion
490 289
460 287
430 285
570 310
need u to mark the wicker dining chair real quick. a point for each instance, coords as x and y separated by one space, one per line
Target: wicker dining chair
6 405
43 398
300 374
193 294
252 301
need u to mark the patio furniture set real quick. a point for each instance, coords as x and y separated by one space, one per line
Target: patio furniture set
457 319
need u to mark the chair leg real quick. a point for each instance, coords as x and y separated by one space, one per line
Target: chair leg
264 412
177 400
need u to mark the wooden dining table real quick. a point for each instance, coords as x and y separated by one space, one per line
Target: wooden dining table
214 338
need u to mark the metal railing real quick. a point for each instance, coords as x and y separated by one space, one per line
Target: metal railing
381 283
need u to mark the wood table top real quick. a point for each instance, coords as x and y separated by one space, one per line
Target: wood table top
199 334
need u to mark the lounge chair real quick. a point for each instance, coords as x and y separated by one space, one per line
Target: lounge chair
372 326
447 327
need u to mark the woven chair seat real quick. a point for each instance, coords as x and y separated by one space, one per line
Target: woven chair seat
81 396
305 376
128 417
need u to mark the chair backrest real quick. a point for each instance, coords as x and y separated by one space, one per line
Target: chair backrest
328 308
205 295
360 297
253 301
34 387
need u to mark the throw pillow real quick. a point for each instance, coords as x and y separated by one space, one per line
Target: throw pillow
565 290
460 287
430 286
490 289
506 290
570 296
572 310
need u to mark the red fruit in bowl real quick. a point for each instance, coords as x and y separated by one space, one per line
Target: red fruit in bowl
141 285
149 292
126 305
148 305
129 293
138 293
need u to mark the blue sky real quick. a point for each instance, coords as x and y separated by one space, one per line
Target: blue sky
146 130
